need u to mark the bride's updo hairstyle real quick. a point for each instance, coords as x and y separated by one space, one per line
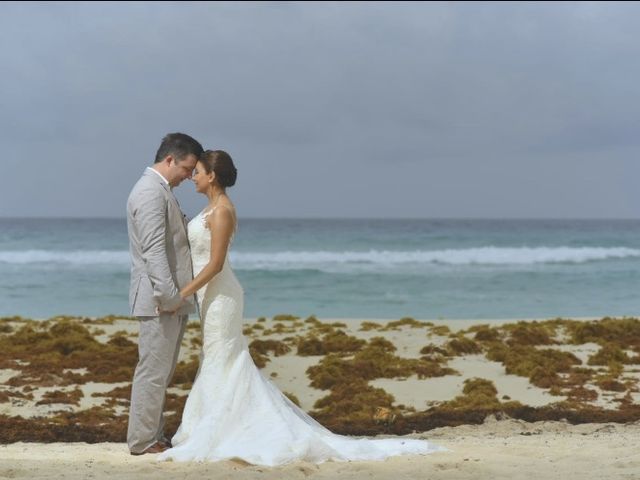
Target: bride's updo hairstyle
219 162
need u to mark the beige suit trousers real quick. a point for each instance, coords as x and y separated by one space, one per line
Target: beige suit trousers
158 348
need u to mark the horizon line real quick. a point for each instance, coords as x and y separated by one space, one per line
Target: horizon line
339 218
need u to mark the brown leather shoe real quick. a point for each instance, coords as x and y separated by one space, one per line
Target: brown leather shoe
165 442
155 448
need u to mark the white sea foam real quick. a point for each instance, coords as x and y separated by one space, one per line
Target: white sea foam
77 257
469 256
318 259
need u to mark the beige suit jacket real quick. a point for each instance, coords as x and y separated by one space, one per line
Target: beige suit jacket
159 247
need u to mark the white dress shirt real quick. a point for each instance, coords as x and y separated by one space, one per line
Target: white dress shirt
160 175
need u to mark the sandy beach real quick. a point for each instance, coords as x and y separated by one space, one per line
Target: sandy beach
551 398
505 449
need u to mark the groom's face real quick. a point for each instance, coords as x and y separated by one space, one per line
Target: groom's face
181 169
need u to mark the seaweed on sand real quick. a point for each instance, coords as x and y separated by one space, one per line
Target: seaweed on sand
485 333
117 396
541 366
351 408
375 360
49 354
106 320
530 333
405 322
260 348
366 326
93 425
5 328
625 332
478 394
611 352
48 351
61 396
434 352
334 341
185 372
439 330
461 345
609 380
292 397
7 395
285 317
383 343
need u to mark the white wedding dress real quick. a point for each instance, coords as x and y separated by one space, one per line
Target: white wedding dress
233 411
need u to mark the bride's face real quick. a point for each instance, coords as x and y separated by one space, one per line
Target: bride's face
201 178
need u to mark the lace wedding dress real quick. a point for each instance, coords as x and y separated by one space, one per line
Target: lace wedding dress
233 411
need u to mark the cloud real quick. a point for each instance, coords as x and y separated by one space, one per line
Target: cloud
409 100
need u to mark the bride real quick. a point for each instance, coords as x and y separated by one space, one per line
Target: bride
233 411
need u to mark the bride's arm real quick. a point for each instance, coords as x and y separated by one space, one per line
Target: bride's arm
220 224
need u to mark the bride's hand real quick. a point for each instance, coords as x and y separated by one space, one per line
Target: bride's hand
169 312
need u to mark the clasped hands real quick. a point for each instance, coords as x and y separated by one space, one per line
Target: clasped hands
174 311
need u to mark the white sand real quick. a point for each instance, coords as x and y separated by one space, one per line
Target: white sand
493 451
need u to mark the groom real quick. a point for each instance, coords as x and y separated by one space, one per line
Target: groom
160 266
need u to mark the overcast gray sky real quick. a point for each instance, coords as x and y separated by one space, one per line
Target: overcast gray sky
493 110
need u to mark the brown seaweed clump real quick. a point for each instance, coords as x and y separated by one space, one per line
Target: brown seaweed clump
367 326
106 320
247 330
461 345
375 360
260 348
484 333
185 372
5 328
292 397
405 322
370 363
382 343
120 396
48 350
352 407
541 366
7 395
355 407
93 425
611 352
440 330
280 328
285 317
434 352
610 380
60 396
478 394
530 333
625 332
335 341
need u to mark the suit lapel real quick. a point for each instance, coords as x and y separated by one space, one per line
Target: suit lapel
172 197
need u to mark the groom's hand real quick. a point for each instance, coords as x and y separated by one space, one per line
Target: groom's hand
167 312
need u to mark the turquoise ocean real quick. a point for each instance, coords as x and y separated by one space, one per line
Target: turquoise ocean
360 268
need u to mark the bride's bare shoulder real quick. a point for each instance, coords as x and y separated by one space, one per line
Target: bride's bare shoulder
222 216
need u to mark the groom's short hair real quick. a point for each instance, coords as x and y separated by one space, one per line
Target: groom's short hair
179 145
